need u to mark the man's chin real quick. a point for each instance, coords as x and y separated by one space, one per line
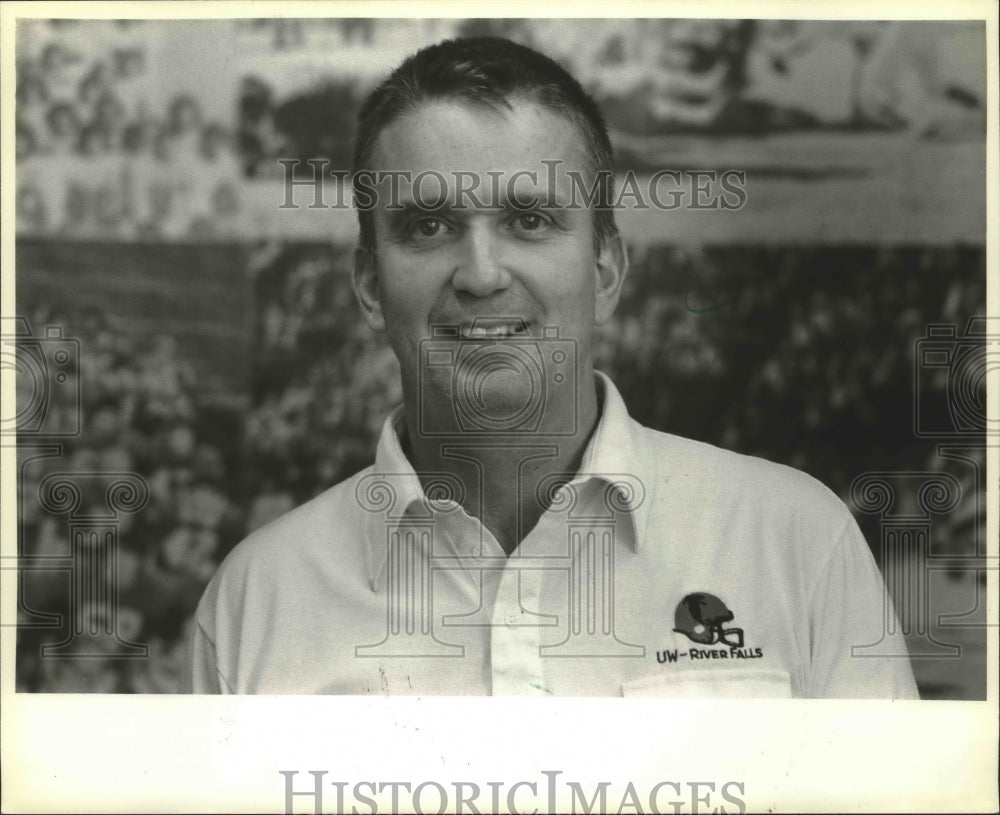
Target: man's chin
503 400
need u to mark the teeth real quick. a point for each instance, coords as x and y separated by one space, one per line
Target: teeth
493 332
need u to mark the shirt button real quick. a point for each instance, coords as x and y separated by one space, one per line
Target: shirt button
511 620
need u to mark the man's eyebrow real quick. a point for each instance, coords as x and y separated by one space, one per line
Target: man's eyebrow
405 206
410 206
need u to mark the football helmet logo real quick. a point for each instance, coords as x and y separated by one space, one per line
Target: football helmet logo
700 618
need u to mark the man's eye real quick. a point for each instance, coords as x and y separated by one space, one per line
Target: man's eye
429 227
529 222
428 230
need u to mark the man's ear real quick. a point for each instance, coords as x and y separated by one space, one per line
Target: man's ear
365 283
611 268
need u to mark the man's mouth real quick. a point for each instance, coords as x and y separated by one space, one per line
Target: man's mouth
494 332
494 328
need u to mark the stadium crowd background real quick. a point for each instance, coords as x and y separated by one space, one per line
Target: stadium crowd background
805 355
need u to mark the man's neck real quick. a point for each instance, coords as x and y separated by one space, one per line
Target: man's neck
501 474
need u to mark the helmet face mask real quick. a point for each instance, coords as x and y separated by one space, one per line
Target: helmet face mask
700 618
733 637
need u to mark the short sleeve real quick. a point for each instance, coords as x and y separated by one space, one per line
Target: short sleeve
857 648
201 672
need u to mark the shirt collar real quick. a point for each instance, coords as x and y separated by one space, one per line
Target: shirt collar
611 456
399 489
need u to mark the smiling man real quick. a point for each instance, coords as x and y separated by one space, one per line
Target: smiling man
518 532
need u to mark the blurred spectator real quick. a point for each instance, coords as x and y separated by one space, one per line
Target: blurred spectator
160 213
135 139
93 142
110 119
256 131
62 67
92 86
214 145
183 126
216 190
131 84
25 142
30 204
64 128
32 98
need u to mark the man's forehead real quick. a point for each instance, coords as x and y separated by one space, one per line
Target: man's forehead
452 134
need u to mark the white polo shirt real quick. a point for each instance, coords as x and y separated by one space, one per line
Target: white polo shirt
666 567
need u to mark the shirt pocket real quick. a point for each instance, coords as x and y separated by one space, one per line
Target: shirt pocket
732 683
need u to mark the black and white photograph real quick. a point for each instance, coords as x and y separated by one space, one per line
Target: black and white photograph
360 359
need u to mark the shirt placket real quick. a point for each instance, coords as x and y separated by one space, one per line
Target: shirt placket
507 593
522 597
531 610
516 632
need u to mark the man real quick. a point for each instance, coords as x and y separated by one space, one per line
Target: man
519 533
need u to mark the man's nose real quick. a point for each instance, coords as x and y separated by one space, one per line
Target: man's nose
480 270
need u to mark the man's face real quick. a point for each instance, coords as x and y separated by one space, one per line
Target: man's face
445 265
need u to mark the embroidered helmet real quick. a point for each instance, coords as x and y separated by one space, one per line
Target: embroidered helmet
700 618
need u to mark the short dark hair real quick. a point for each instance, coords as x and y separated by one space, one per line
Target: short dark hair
487 71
